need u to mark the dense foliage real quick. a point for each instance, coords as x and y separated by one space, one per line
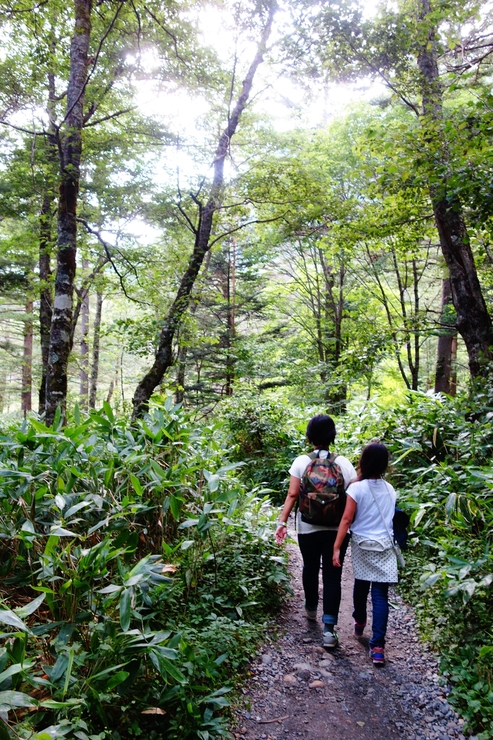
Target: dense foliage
137 573
442 471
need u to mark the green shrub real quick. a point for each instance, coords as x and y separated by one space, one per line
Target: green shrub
441 468
264 438
120 544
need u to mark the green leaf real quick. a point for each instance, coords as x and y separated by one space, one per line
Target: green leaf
25 611
136 485
133 580
8 617
14 699
486 581
106 672
450 504
109 411
14 669
51 545
166 667
57 531
52 704
125 608
111 589
76 507
189 523
174 505
117 679
213 481
60 501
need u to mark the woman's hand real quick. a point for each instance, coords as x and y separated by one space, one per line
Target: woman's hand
281 533
336 558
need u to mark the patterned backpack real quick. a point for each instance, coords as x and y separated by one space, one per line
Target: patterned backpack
322 496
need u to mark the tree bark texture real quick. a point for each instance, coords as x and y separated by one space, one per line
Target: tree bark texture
45 298
84 347
70 155
27 364
229 295
446 345
164 354
473 320
96 340
45 239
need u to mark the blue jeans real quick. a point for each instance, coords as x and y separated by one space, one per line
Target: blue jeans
316 547
380 604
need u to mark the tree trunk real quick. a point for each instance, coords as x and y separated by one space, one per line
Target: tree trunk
45 298
95 351
447 344
84 347
231 318
473 319
417 347
27 364
45 238
111 389
164 354
70 155
180 374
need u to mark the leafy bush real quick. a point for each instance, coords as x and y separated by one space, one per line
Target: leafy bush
119 545
442 469
264 438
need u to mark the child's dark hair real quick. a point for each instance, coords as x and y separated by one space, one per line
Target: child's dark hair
373 461
321 431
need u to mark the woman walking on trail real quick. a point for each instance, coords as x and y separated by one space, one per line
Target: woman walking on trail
370 507
316 541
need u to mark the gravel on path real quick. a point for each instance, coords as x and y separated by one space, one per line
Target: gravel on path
299 689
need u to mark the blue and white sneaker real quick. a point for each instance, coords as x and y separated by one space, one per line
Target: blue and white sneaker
330 639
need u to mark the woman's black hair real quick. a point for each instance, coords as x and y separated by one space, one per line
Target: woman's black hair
321 431
373 461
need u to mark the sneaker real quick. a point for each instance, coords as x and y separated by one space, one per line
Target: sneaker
331 639
377 655
311 614
359 628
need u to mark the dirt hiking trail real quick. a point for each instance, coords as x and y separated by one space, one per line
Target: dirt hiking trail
299 689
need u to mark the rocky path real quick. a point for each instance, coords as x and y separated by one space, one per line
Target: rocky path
299 689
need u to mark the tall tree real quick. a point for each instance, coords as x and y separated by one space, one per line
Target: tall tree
473 319
383 47
202 229
70 156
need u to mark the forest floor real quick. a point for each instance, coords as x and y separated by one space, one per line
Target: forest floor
296 688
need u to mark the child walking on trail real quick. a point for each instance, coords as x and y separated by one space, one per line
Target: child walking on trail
316 541
370 507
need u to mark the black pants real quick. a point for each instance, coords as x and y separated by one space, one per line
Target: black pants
316 547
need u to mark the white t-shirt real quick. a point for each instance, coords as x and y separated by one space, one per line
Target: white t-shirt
297 469
368 520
